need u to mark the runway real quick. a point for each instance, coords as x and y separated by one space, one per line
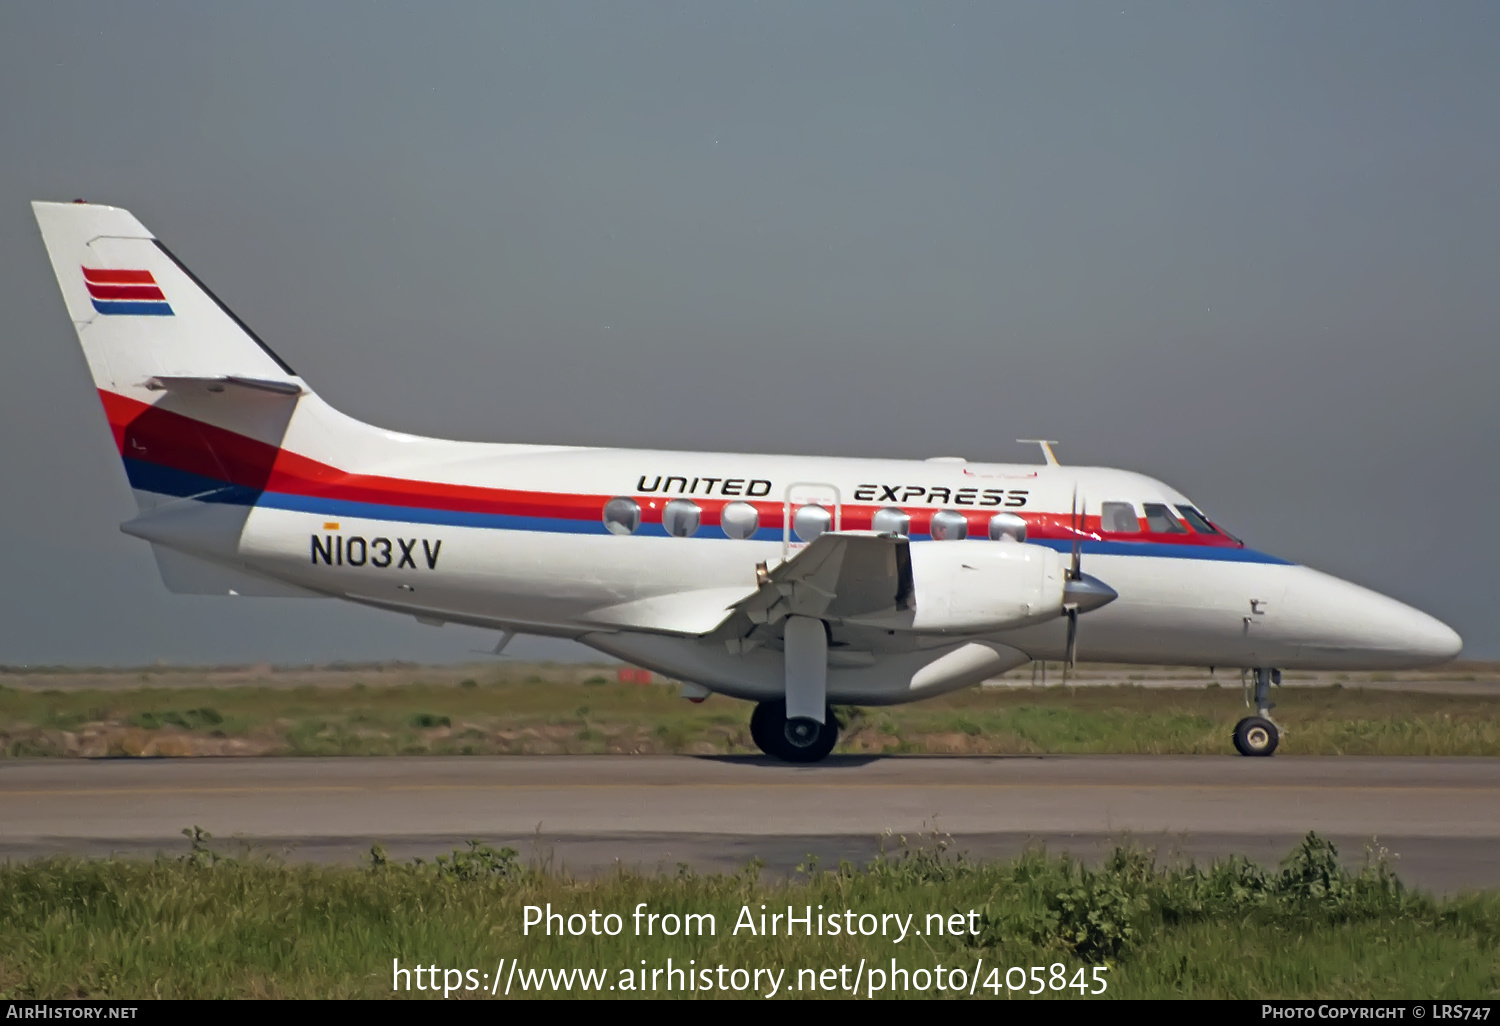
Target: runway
591 813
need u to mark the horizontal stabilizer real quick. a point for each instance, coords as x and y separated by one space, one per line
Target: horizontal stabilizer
189 575
180 383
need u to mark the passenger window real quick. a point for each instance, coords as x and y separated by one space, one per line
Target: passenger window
948 525
1198 520
1159 519
681 518
1120 518
891 521
739 519
622 516
811 521
1007 527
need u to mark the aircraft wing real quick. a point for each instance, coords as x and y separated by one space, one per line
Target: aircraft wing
839 575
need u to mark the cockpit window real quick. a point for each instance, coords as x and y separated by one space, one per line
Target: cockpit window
1159 519
1119 517
1198 520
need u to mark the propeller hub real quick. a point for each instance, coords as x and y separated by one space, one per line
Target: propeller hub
1086 592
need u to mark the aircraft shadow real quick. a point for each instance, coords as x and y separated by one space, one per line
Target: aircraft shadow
846 761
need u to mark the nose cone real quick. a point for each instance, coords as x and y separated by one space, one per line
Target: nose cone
1088 592
1431 639
1349 627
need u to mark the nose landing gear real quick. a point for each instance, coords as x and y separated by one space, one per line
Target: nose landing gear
794 740
1257 735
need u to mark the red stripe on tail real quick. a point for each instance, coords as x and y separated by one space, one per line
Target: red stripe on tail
124 291
110 276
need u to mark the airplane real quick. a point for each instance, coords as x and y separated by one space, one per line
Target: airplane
794 582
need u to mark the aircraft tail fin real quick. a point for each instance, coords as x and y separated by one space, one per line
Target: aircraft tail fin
197 402
138 311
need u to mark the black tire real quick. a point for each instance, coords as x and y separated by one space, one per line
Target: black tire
773 735
1256 735
766 724
809 741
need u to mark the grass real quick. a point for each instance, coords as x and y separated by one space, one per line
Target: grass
204 926
534 715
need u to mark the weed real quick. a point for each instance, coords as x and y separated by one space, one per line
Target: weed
1093 919
1095 914
1312 872
928 858
199 852
479 862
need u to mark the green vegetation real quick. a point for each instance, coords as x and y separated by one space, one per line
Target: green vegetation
590 714
206 926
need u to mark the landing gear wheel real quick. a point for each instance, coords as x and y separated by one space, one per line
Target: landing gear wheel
807 740
1256 735
796 740
766 724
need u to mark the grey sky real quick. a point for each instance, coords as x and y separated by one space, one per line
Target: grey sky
1251 249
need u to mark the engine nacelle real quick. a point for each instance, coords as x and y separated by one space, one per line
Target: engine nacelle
975 586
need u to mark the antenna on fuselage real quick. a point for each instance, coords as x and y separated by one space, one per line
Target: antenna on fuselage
1046 444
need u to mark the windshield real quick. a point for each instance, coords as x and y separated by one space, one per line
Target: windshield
1198 520
1159 519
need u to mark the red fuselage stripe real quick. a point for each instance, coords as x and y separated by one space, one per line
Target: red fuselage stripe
153 435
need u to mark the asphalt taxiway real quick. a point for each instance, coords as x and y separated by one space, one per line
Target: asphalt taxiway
1441 817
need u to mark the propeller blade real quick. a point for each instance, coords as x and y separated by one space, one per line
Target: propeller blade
1072 651
1076 570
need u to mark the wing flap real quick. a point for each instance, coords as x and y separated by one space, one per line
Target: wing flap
839 575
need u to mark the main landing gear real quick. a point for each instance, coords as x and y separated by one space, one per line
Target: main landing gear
1257 735
794 740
